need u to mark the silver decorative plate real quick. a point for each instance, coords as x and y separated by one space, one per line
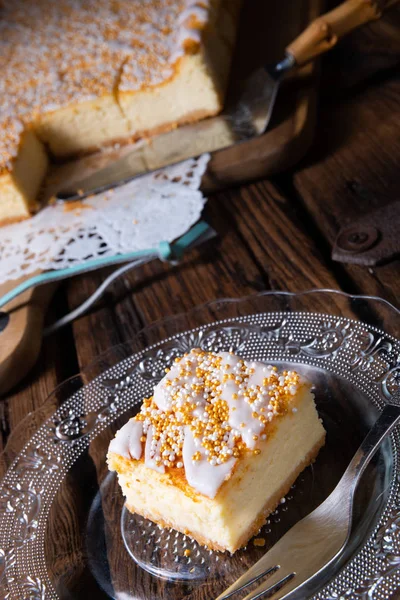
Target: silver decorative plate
63 531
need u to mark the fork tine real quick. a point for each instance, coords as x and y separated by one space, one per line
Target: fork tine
270 586
253 574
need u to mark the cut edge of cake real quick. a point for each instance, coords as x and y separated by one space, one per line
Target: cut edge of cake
194 91
19 188
273 503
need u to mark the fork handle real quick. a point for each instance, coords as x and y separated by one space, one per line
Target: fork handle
388 419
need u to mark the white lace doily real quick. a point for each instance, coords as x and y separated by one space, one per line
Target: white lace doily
157 207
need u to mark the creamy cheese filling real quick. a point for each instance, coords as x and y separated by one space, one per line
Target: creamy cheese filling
207 411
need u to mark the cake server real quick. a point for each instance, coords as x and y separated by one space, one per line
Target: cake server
247 118
309 548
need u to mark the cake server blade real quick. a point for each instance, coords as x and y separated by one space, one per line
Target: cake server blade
247 119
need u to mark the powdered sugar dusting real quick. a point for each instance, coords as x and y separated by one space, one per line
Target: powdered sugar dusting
57 52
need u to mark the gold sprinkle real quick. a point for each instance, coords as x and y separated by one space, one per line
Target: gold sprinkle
187 552
259 542
210 432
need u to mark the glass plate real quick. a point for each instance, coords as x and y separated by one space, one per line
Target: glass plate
63 531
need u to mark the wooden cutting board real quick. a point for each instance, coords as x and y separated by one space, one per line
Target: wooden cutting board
266 27
21 338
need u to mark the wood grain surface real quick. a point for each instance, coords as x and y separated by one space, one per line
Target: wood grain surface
274 234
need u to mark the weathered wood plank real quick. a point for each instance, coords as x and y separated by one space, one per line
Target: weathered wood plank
272 227
366 57
353 168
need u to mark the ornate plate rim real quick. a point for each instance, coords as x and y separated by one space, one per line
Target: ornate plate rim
194 309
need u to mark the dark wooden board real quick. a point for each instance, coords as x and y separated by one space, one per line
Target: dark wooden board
21 339
354 164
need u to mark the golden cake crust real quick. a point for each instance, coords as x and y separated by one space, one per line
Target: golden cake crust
174 476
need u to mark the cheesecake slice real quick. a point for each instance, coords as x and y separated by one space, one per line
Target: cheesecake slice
216 447
76 76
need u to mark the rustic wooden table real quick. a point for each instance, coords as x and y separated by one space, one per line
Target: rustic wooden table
274 234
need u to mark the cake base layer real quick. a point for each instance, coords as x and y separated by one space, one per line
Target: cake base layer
245 500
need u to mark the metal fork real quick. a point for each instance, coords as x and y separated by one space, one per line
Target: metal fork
314 543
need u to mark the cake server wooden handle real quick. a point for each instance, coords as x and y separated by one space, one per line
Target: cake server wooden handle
325 31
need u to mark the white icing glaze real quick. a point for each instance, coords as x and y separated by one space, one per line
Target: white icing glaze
240 411
200 13
135 445
225 400
261 371
189 33
201 475
228 359
160 395
121 443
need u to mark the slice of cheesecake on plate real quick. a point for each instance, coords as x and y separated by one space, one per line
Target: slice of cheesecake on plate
216 447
